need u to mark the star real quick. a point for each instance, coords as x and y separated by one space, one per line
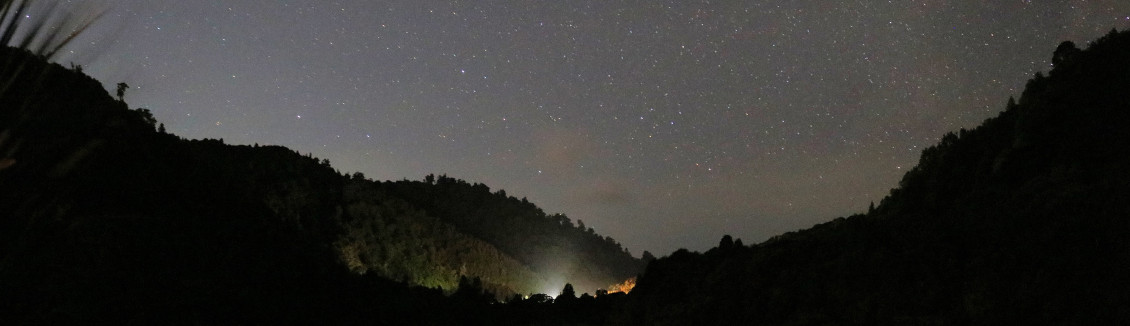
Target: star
745 104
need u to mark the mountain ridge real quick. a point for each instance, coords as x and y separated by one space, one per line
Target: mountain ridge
103 219
1020 220
89 182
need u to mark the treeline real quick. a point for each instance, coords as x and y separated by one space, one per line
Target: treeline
105 218
395 239
1022 220
552 245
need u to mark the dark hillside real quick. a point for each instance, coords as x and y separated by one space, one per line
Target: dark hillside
105 219
392 238
550 244
1023 220
94 226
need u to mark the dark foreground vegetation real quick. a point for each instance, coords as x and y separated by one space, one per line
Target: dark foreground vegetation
1022 220
106 218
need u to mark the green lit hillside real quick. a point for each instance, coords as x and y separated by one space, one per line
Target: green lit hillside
95 202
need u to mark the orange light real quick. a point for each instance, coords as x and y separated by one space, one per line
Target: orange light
625 287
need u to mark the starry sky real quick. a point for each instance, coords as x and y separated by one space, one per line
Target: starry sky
663 124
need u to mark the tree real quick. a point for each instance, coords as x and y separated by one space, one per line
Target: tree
471 291
567 295
122 87
726 243
1064 53
147 117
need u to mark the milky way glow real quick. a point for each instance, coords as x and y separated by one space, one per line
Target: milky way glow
663 124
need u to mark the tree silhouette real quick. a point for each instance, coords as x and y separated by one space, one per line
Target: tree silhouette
727 242
568 295
987 213
122 87
1064 53
147 117
472 291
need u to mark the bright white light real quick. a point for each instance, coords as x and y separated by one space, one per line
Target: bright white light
553 293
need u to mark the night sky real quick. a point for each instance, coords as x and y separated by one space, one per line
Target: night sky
664 124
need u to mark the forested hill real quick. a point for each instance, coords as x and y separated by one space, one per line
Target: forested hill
550 244
458 228
102 214
1022 220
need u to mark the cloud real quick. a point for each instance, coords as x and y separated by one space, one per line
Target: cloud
563 151
608 191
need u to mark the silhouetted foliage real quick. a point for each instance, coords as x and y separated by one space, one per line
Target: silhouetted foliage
726 243
647 256
567 296
1064 54
1022 220
122 87
105 220
471 292
147 118
36 34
